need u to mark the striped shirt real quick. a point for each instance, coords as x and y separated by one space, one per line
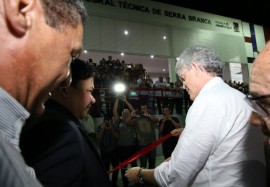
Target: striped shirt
13 170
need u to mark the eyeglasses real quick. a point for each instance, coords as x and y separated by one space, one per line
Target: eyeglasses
258 107
182 77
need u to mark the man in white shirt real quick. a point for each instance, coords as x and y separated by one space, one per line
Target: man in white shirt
218 147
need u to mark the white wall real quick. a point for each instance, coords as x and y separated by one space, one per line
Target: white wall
107 22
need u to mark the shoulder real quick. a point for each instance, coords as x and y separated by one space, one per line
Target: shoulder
47 124
46 133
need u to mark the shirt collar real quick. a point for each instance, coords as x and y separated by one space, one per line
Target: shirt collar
211 83
12 118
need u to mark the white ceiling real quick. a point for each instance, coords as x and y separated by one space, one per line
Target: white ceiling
152 65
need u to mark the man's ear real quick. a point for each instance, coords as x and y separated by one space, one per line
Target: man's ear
196 68
17 17
194 65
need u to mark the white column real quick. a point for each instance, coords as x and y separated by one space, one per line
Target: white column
171 68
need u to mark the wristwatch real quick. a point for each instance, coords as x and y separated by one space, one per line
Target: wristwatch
139 177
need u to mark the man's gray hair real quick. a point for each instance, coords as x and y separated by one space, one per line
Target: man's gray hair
205 57
60 13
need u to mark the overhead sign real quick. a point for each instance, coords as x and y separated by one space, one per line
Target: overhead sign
153 12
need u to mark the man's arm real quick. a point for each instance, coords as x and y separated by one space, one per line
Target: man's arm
131 118
130 107
154 119
138 175
115 110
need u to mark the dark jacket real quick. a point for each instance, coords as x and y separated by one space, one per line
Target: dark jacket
60 152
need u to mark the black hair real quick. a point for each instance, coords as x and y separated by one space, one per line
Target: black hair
80 70
107 118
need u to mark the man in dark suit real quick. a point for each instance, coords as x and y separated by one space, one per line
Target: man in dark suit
55 144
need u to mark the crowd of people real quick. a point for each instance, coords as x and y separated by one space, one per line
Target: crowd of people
44 143
141 88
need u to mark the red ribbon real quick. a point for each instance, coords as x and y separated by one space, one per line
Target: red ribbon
141 153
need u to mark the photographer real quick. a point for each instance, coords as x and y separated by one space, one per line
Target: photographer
145 126
107 137
127 135
166 125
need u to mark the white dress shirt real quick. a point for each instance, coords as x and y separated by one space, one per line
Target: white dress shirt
218 147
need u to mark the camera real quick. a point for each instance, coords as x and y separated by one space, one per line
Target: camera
120 97
107 124
139 113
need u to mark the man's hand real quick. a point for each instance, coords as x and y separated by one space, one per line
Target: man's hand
132 173
177 132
